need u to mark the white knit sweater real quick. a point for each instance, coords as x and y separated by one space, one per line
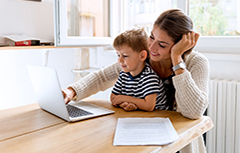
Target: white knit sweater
191 90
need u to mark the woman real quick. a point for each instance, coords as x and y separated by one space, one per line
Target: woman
185 73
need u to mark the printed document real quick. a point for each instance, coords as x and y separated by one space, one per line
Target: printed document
144 131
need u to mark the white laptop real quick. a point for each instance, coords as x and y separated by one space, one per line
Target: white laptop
47 88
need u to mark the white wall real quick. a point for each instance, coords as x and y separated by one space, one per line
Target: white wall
16 89
225 69
224 65
27 17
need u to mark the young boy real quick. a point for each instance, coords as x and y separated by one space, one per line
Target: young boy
137 85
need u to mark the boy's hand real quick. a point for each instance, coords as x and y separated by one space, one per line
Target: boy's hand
128 106
117 99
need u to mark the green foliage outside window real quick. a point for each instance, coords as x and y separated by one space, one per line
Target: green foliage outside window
209 19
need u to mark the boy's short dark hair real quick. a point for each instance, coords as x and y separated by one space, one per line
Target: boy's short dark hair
136 39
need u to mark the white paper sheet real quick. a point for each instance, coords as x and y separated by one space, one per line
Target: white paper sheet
144 131
21 37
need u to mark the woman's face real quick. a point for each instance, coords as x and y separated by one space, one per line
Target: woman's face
160 45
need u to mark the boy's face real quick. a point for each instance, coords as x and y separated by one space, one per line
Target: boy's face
129 60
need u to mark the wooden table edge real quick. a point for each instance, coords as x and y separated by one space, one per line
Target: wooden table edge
188 136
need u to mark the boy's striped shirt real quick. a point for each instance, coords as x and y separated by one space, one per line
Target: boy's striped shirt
145 83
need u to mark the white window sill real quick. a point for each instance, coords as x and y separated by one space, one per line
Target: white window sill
219 44
223 56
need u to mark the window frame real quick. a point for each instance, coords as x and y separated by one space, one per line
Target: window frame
61 39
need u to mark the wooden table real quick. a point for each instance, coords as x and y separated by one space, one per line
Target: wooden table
30 129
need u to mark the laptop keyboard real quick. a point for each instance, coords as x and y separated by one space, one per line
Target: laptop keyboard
77 112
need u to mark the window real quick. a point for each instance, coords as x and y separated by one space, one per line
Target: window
216 17
143 13
85 19
80 23
218 22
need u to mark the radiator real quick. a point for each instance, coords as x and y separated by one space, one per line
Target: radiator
224 109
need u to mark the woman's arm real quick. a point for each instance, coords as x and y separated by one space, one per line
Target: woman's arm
96 81
188 41
191 84
147 104
192 87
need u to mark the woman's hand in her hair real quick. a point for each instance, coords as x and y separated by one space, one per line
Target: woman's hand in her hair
68 94
187 42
